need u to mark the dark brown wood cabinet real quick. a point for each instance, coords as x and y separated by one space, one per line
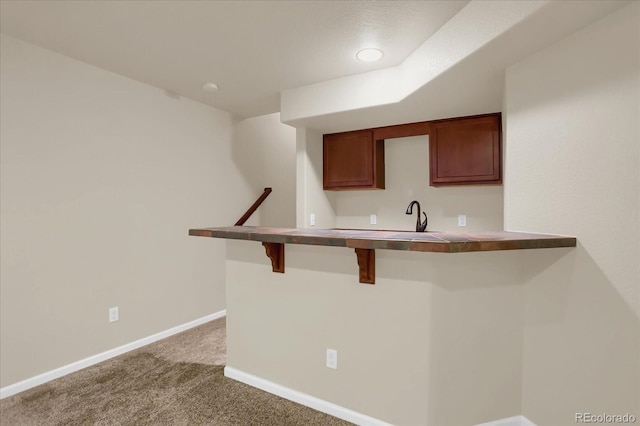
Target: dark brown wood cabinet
466 151
462 151
353 160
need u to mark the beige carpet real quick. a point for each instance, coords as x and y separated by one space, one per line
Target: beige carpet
176 381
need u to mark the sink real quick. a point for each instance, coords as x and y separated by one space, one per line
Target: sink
379 230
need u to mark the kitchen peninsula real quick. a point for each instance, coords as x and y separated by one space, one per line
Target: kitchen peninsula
366 241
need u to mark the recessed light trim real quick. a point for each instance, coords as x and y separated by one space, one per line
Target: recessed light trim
210 87
369 54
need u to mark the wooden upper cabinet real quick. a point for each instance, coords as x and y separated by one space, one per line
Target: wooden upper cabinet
462 151
353 160
466 151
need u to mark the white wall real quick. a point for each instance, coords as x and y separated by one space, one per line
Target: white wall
436 341
311 199
407 179
101 178
573 161
265 150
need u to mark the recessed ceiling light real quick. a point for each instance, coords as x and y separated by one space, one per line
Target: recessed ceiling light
369 54
210 87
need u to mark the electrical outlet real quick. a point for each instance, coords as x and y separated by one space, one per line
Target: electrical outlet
462 220
373 218
312 219
114 315
332 358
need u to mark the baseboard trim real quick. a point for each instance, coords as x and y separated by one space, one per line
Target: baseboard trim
303 398
510 421
95 359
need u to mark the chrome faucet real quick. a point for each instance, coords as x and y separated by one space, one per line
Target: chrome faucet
420 226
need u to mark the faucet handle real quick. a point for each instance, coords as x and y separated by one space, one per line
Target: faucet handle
423 225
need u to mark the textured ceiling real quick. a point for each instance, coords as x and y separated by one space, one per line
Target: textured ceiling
252 49
458 71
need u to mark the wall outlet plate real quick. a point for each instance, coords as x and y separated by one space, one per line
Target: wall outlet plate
332 358
114 314
312 219
462 220
373 218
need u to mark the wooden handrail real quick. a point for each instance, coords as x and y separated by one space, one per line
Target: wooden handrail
253 207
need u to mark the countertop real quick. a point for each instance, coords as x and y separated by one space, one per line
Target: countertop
443 242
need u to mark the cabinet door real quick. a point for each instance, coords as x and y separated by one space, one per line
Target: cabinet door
466 151
353 160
